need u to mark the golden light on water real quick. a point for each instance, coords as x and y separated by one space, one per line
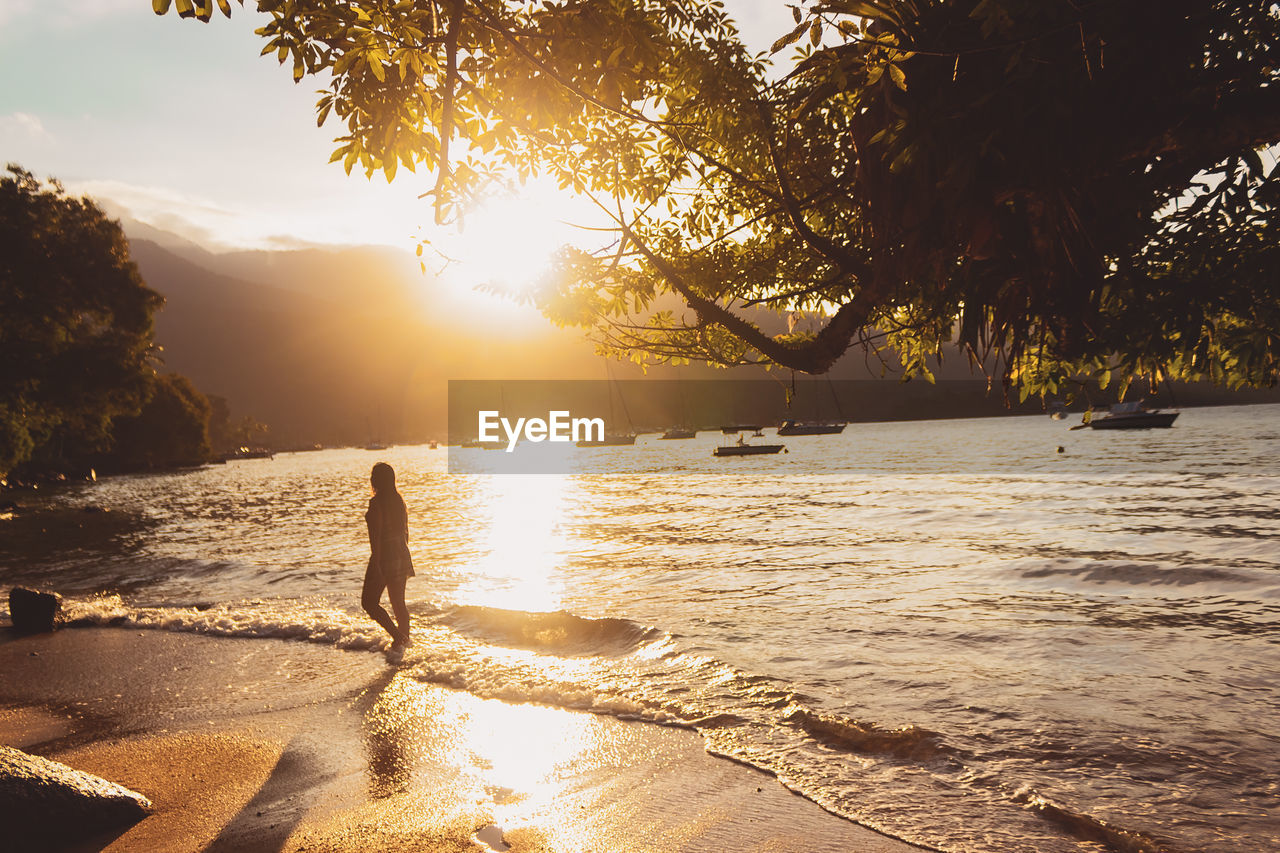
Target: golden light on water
518 760
518 748
525 542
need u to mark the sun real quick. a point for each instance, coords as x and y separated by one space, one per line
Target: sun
507 243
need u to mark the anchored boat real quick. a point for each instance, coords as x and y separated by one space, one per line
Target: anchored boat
742 448
790 427
1133 415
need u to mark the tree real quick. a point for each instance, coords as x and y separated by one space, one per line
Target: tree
75 324
227 436
1067 189
171 429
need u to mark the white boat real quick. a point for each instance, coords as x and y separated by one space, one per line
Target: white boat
1133 415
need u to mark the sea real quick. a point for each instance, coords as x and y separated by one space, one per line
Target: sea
998 634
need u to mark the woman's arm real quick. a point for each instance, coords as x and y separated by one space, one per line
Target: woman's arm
375 521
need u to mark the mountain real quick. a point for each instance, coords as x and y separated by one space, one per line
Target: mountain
346 346
341 346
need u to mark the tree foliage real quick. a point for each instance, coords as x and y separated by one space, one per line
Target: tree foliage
227 436
1064 188
75 324
171 429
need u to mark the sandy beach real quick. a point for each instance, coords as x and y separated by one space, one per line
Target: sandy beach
266 745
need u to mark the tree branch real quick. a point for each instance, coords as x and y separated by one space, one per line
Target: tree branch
446 108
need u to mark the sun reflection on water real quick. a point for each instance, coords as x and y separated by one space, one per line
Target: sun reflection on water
517 761
525 544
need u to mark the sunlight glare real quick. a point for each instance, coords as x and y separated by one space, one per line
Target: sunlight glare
526 543
508 242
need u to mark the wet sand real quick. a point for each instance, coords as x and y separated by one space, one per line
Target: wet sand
267 745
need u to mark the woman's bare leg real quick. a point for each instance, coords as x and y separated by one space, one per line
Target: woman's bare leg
395 592
370 596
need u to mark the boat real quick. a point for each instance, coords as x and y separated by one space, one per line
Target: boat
817 426
612 439
682 429
742 448
375 445
748 449
1133 415
790 427
730 429
250 453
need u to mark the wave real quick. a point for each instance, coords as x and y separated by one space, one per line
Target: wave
1153 574
315 622
1088 828
623 669
907 742
560 632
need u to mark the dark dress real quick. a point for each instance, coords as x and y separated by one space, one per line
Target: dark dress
388 523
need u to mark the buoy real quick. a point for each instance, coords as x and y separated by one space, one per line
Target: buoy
1061 449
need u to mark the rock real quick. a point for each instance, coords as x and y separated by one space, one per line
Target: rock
44 804
34 612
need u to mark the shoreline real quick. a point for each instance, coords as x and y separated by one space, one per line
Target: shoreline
270 745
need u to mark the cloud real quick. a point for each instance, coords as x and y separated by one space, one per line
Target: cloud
24 127
193 218
199 220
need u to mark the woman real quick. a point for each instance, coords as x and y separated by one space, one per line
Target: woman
389 562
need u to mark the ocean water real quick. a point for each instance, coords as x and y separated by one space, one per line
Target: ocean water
948 631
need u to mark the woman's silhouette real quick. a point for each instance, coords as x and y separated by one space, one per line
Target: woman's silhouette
389 562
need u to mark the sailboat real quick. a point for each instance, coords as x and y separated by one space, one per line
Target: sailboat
614 439
815 427
374 443
682 430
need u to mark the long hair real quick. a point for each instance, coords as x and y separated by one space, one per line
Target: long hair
383 480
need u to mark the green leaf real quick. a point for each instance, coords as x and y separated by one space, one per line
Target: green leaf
790 38
160 6
899 79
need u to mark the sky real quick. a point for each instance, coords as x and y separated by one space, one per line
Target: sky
185 126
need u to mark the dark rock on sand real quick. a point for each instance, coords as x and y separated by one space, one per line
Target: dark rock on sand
44 804
34 612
